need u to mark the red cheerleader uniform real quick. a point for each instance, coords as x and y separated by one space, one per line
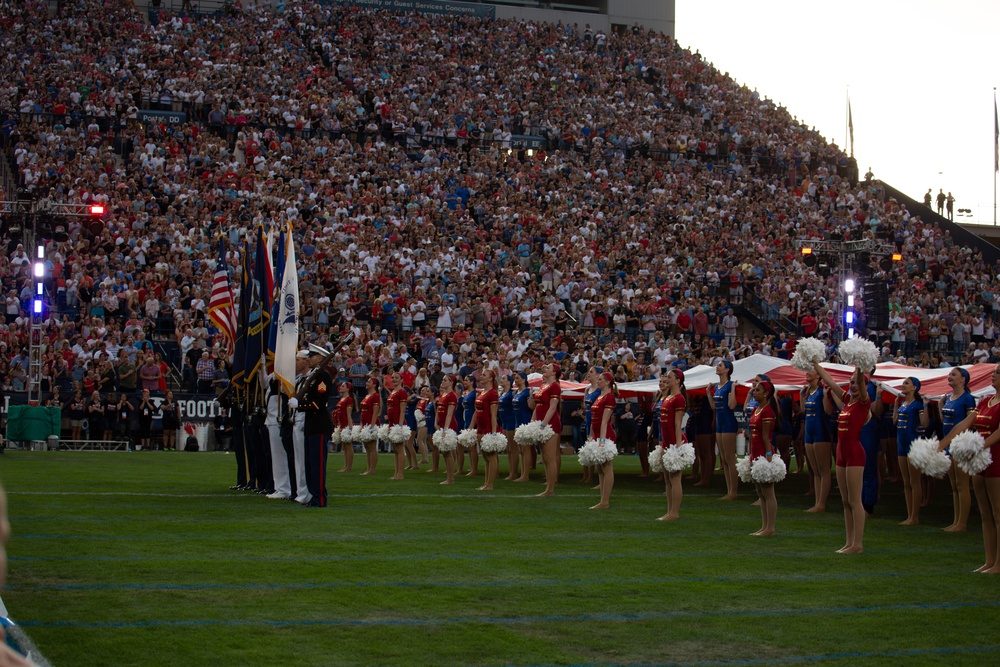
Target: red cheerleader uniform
342 420
605 404
484 412
669 408
758 419
394 406
368 406
850 421
449 399
987 421
542 402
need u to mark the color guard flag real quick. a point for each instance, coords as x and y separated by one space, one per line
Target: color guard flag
279 272
258 315
287 341
239 349
220 307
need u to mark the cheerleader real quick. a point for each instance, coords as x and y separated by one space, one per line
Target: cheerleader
602 411
422 421
371 408
909 415
985 419
467 403
343 419
762 425
817 439
870 440
396 416
412 461
419 442
723 404
447 419
590 394
522 415
487 422
954 408
855 413
672 410
546 403
505 413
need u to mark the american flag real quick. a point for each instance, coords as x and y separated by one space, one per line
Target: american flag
220 308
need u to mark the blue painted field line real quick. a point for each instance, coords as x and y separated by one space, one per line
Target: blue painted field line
473 584
856 655
516 620
413 557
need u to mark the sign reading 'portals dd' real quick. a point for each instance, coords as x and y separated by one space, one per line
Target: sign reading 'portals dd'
423 6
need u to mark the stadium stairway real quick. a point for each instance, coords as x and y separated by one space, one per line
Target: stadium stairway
960 235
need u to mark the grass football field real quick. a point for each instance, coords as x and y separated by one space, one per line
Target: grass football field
149 559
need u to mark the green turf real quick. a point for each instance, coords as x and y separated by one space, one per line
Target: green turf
149 559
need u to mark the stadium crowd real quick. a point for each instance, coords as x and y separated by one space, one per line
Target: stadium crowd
665 199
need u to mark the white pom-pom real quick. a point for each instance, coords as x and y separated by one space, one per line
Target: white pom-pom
468 438
656 459
678 457
768 472
522 434
356 432
926 458
807 351
969 452
743 467
586 453
399 434
335 437
383 432
419 416
446 440
859 352
493 443
533 433
369 433
605 450
545 433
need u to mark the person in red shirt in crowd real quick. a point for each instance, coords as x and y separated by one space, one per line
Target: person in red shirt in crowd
808 324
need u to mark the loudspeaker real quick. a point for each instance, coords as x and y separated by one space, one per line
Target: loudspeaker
875 295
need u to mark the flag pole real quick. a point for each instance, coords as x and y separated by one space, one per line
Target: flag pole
996 153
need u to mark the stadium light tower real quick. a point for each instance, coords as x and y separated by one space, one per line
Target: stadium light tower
849 316
37 315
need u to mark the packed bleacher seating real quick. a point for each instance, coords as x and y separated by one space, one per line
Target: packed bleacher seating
657 216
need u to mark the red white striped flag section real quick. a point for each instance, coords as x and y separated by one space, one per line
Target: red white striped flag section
221 309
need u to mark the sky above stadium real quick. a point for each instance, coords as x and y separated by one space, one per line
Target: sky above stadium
920 74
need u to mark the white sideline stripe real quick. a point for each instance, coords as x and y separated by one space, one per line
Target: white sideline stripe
332 495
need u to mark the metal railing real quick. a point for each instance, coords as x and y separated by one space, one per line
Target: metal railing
769 314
